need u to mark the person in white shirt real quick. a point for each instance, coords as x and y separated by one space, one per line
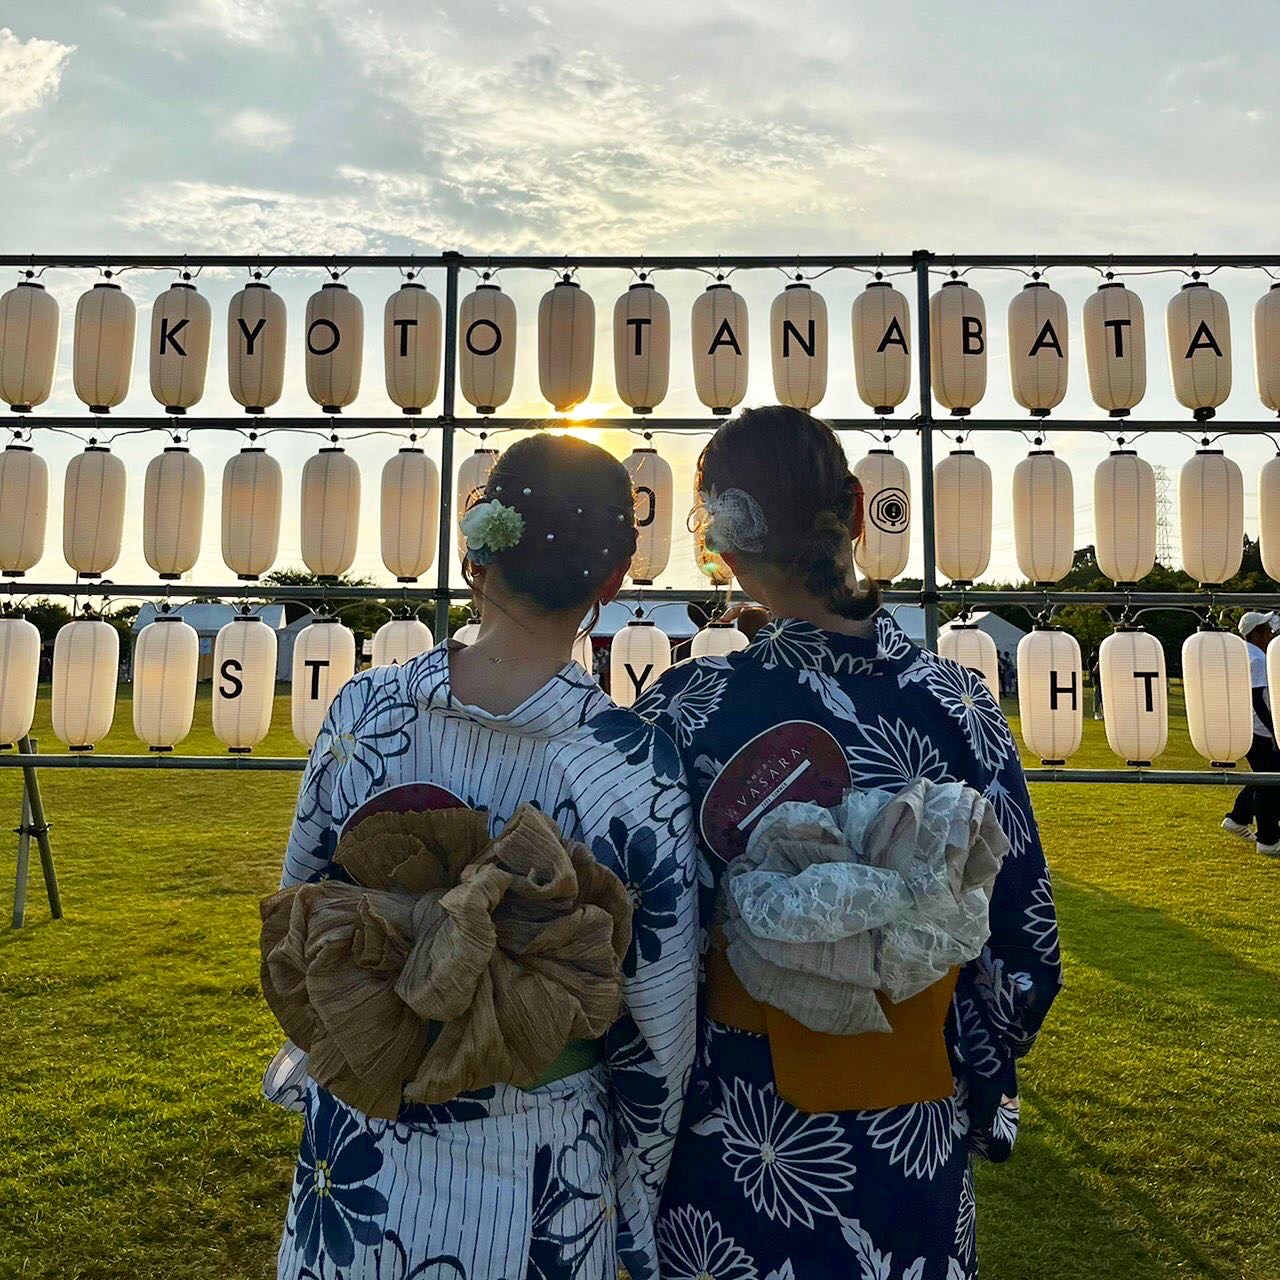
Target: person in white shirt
1259 805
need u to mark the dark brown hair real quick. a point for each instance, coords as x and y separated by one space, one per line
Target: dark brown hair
579 519
795 467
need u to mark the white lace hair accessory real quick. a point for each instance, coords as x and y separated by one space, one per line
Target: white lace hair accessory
731 521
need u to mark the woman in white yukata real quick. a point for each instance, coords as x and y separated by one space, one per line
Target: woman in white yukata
564 1179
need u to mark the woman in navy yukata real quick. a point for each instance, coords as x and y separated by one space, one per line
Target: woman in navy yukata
869 1176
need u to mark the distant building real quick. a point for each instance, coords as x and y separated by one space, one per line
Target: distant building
209 619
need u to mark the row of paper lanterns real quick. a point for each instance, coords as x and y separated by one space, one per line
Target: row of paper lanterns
1197 323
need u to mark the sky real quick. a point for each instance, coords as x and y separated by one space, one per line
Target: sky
574 128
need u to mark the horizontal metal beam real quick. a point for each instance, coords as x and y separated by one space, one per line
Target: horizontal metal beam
1155 777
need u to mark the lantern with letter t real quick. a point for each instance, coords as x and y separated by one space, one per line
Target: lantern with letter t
1115 348
642 347
324 659
798 337
640 654
1050 688
1135 696
411 328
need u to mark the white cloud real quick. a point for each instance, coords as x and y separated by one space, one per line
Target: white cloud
30 72
259 129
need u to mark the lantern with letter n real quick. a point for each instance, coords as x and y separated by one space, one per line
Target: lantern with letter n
244 682
720 334
335 346
642 347
640 654
324 659
958 347
652 482
1215 680
881 356
181 323
798 337
1135 697
1050 687
1199 330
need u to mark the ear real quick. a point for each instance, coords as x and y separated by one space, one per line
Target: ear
613 584
857 521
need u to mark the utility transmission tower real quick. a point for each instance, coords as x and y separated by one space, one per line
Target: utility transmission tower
1164 518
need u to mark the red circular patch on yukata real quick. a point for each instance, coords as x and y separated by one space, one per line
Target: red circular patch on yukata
412 797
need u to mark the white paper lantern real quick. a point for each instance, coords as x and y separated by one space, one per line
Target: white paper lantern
641 652
1135 695
1211 516
24 500
86 667
324 659
1273 675
19 678
654 489
412 325
486 347
1050 694
881 552
330 512
958 347
166 660
1266 347
257 329
642 347
584 653
720 347
335 346
798 341
102 354
252 490
1215 682
1199 330
1043 516
397 641
1038 347
962 516
971 647
410 514
473 478
28 345
566 344
93 511
181 325
467 633
1115 348
717 640
1268 517
173 511
1124 514
244 682
881 346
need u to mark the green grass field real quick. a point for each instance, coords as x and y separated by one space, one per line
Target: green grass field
133 1037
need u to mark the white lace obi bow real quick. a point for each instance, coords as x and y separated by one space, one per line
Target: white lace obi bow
886 893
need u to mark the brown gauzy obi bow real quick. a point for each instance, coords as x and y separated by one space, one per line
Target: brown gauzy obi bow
456 962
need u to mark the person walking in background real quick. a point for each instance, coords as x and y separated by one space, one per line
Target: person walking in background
1095 679
1259 806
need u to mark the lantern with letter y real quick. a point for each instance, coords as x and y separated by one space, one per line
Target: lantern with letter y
640 654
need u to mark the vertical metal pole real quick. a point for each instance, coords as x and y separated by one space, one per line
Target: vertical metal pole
24 862
445 551
929 595
34 824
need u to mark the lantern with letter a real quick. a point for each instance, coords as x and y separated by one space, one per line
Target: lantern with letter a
958 347
881 553
720 348
335 346
1135 696
181 323
798 338
970 646
1038 347
324 659
652 482
1124 513
486 347
411 329
244 682
642 347
24 499
256 334
1216 683
1050 689
881 356
641 652
29 323
1199 330
1115 348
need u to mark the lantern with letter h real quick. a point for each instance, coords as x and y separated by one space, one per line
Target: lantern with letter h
1050 682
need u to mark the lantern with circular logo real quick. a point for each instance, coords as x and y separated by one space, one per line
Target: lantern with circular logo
881 553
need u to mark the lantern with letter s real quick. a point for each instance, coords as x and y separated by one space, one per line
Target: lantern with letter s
1044 516
330 511
566 344
958 347
1038 347
970 646
24 499
410 513
798 338
397 641
881 356
181 324
324 659
86 667
411 327
1124 513
652 482
173 511
881 553
29 323
244 682
642 347
166 660
1199 331
252 490
486 347
1216 683
1050 688
1115 348
19 678
962 516
720 347
641 652
93 511
256 333
335 346
1135 696
1211 516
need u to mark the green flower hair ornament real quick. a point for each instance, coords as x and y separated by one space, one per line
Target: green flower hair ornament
490 528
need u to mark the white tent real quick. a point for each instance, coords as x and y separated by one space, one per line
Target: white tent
208 620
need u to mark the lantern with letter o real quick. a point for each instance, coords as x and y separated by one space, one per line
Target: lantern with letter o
653 485
1115 348
970 646
642 347
1199 331
566 344
19 678
486 347
720 347
1135 696
410 514
256 334
1216 684
881 553
335 346
397 641
181 325
641 652
1124 513
173 511
252 491
93 511
958 347
324 659
881 355
24 500
102 353
412 325
962 516
473 479
717 640
798 339
1268 516
1043 516
244 682
86 666
28 345
166 660
1266 347
1050 694
1038 347
1211 516
330 512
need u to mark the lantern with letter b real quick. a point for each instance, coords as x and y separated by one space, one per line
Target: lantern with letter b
958 347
